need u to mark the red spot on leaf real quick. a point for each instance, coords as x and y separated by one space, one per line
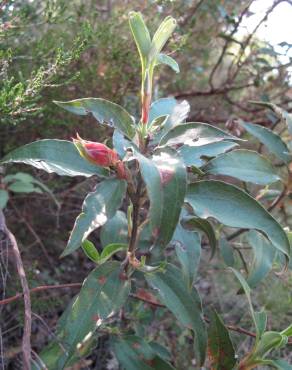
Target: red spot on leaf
136 345
102 279
166 175
95 318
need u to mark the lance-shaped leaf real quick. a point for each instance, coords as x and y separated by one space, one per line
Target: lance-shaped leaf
220 348
198 132
235 208
98 207
102 294
165 179
161 36
183 303
169 61
141 35
272 141
196 155
196 223
245 165
264 254
134 353
104 111
59 156
188 250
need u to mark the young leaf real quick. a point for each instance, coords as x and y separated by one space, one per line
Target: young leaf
90 250
261 320
220 348
165 179
110 250
134 353
98 207
188 250
184 304
197 132
235 208
269 340
272 141
169 61
102 294
196 155
245 165
57 156
104 111
196 223
161 36
141 35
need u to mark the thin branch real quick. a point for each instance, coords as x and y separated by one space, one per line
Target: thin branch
26 345
191 12
132 295
39 289
221 91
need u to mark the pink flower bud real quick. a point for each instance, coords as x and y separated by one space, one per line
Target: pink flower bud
96 153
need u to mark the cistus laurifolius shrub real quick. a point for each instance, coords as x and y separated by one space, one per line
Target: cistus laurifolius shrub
158 183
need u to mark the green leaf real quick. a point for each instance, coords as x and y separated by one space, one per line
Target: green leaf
196 223
165 179
287 331
281 364
57 156
134 353
188 250
102 294
110 250
90 250
4 197
98 207
115 230
220 348
264 254
269 340
247 291
197 154
177 113
226 252
24 187
161 36
169 61
235 208
195 132
245 165
261 320
272 141
104 111
141 35
184 304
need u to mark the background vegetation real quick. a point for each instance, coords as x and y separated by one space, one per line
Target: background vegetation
62 50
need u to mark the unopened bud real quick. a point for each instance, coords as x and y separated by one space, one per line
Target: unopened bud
96 153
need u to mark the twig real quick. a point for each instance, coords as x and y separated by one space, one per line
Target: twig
39 289
26 346
221 91
191 12
132 295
